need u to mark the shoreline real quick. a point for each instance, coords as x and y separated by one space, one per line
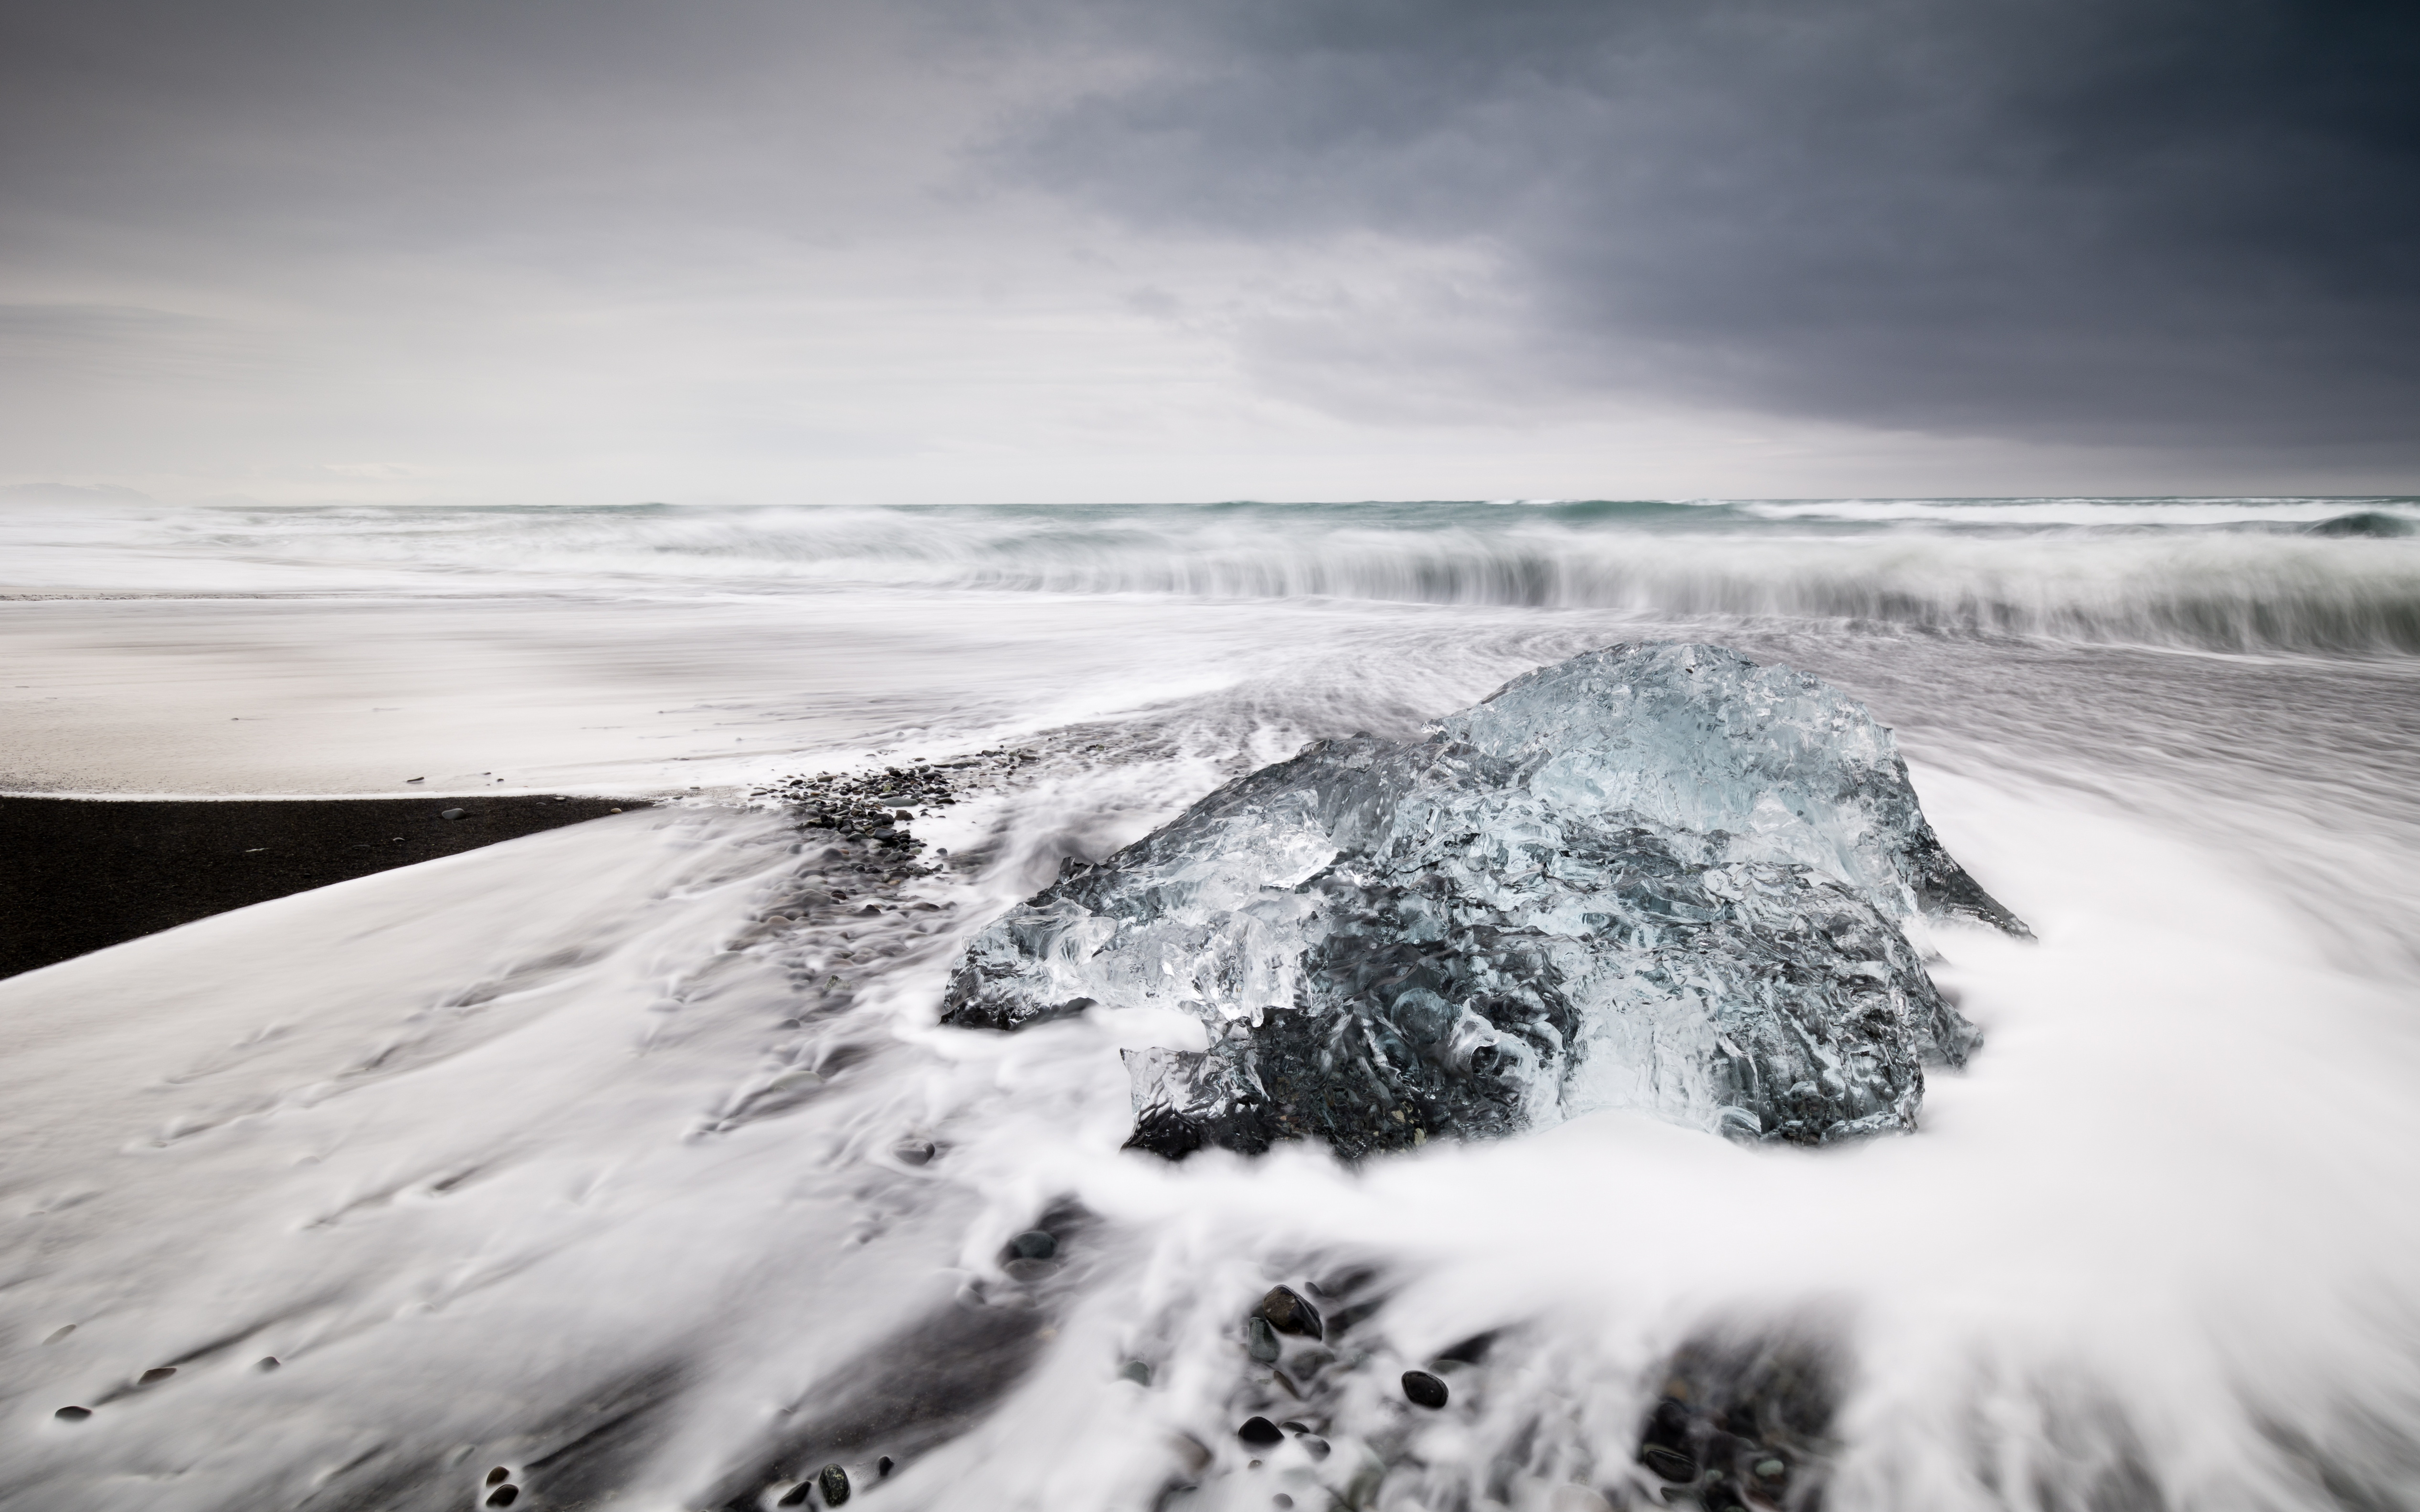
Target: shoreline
81 873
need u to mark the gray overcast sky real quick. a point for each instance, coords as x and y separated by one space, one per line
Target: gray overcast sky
543 251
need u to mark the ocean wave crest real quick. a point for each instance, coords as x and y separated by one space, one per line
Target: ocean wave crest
2248 575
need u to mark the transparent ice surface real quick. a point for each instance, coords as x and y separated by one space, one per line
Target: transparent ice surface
1776 765
1656 876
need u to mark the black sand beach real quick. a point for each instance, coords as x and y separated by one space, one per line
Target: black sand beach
77 874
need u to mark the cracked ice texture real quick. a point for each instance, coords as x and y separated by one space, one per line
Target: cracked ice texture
1656 876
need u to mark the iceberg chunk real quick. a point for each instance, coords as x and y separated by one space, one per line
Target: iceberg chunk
1699 739
1656 876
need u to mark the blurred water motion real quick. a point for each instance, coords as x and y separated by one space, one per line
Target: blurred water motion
629 1159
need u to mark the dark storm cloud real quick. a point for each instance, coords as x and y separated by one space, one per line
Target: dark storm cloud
2106 221
2143 223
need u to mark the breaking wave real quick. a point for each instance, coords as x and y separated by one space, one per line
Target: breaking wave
2314 575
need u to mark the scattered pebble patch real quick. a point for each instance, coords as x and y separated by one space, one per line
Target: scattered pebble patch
877 806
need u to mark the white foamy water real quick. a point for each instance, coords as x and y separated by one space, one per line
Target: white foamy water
582 1156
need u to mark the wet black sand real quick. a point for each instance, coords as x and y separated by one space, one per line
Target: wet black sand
80 873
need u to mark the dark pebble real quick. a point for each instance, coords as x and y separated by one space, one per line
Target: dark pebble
833 1482
268 1362
1292 1426
503 1496
1672 1465
917 1152
1282 1502
1313 1446
1288 1313
451 813
797 1495
1035 1244
1664 1444
155 1375
72 1414
1424 1390
882 1467
1260 1430
1261 1340
499 1475
1135 1371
